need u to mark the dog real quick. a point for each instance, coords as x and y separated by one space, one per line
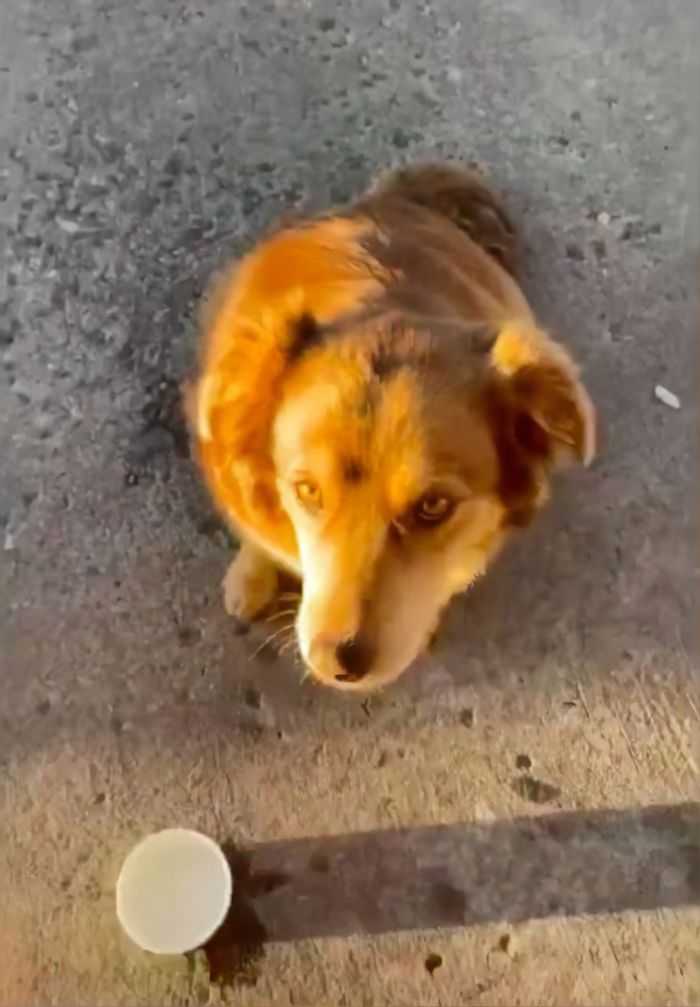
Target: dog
376 411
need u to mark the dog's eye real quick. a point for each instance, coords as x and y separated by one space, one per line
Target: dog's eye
433 509
308 494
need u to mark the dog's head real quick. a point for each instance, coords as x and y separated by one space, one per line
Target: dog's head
373 444
402 457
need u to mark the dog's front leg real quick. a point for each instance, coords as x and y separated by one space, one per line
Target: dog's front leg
250 584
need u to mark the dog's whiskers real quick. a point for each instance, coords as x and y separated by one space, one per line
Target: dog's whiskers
270 639
279 615
288 645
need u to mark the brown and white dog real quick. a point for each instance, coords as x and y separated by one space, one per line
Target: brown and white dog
376 410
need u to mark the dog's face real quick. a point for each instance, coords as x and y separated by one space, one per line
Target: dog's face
401 476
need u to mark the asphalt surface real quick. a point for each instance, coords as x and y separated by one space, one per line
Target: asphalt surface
517 820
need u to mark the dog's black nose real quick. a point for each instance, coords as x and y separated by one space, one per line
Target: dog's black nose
355 658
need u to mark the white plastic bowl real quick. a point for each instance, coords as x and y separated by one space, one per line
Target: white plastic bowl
174 891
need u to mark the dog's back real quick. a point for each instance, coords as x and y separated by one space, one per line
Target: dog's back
445 244
463 197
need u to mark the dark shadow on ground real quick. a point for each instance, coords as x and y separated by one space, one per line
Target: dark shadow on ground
554 865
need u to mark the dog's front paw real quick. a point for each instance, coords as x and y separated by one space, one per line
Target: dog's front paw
250 584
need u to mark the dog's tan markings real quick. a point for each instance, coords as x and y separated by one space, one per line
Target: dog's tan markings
514 349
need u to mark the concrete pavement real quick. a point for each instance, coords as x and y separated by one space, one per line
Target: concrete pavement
517 821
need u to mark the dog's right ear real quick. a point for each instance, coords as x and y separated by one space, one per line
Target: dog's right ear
256 322
258 319
232 404
551 416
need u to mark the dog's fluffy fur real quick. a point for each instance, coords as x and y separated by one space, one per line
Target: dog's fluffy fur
376 410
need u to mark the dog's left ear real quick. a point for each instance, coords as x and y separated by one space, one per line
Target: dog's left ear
552 416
